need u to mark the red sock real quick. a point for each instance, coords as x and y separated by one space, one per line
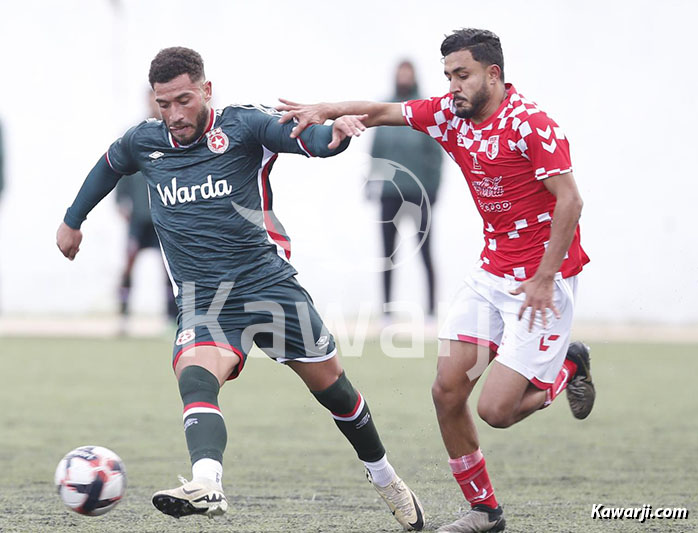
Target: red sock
566 372
471 474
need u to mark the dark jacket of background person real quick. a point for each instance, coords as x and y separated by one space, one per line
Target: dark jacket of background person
132 195
422 156
419 153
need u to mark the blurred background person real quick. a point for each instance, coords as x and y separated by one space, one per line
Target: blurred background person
133 204
422 156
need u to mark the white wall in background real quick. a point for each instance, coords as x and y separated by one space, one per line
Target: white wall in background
618 77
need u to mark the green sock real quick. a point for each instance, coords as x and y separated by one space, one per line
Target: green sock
204 426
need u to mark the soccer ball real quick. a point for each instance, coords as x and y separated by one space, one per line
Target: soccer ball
91 480
399 179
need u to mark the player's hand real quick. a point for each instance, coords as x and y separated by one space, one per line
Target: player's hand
346 126
303 114
539 297
68 240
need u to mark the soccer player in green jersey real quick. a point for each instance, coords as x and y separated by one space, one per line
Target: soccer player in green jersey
227 255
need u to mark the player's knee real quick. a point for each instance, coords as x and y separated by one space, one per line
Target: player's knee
340 397
495 415
448 396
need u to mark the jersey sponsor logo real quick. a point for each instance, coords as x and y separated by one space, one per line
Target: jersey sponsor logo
217 141
489 187
494 207
492 147
173 194
185 336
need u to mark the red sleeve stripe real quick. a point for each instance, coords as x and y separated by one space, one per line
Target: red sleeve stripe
280 240
304 147
358 409
106 154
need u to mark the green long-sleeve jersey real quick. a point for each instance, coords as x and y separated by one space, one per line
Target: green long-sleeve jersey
211 201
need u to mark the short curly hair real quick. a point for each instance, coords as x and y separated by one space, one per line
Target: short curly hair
175 61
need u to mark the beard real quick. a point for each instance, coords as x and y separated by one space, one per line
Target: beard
201 123
477 103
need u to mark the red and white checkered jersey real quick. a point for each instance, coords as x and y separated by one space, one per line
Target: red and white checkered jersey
504 160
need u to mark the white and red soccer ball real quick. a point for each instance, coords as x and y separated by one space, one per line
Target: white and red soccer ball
91 480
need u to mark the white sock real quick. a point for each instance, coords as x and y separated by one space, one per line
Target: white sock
209 470
382 471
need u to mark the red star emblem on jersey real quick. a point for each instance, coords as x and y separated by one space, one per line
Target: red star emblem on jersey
217 141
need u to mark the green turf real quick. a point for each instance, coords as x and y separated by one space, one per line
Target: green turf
288 468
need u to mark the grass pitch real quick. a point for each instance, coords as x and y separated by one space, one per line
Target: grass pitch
289 469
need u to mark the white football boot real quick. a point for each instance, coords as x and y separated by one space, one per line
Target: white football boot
402 502
480 518
192 497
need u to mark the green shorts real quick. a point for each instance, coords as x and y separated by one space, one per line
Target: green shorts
281 319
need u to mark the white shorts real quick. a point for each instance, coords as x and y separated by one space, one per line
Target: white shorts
484 312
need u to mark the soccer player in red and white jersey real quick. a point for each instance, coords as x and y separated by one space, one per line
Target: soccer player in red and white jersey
517 303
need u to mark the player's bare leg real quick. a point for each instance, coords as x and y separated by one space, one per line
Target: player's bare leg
507 397
201 371
450 393
218 361
457 374
330 386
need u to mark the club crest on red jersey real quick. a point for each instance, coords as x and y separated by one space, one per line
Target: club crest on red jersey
217 141
492 147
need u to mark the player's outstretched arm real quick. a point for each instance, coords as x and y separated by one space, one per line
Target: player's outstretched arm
377 113
99 182
317 140
345 127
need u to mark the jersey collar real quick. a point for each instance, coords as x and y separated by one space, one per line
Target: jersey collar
209 127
